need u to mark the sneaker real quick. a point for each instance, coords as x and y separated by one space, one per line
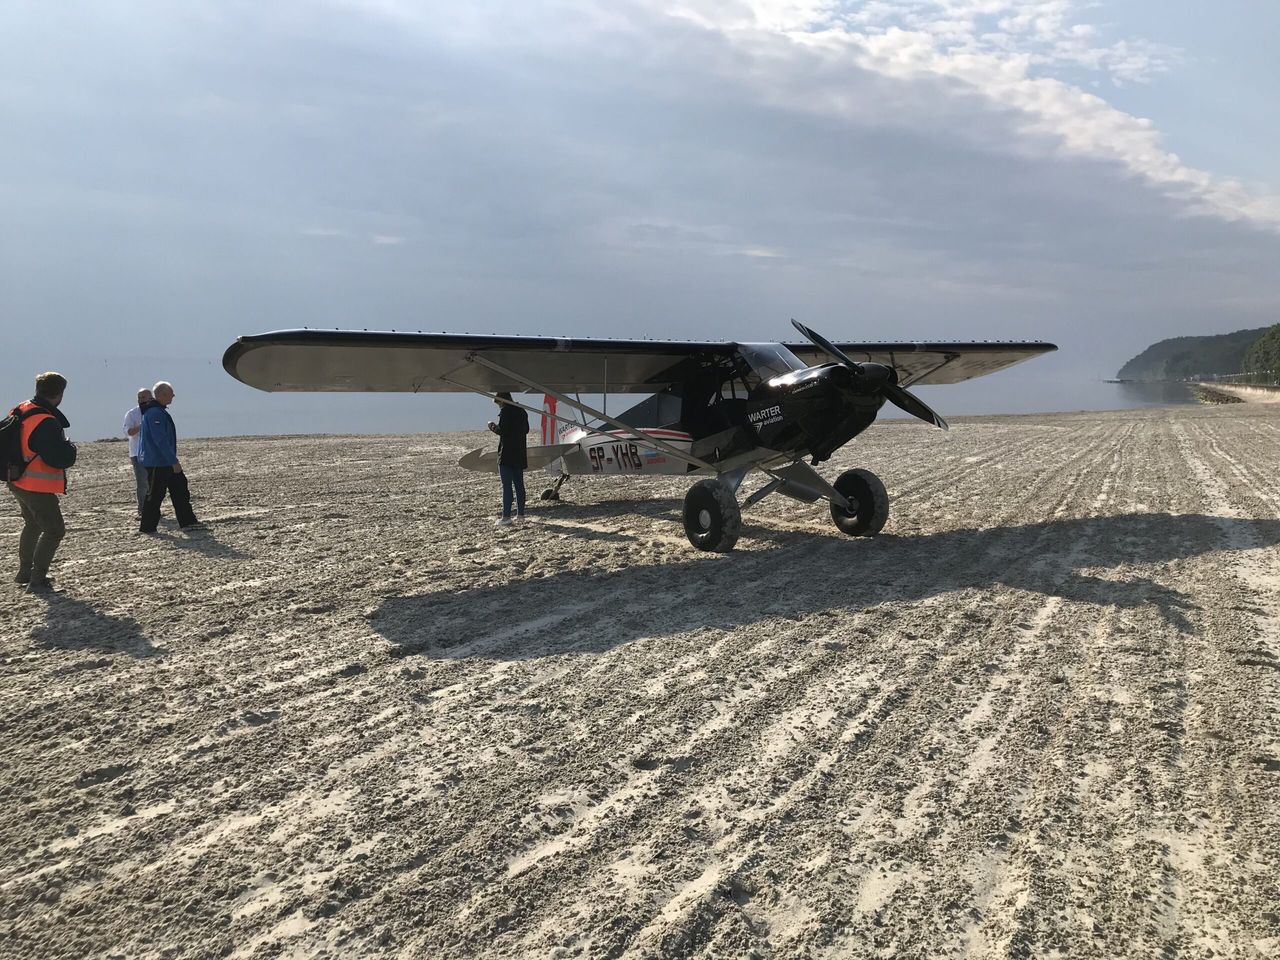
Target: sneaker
40 584
23 577
194 525
502 522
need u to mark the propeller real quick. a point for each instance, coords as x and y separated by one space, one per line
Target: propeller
904 399
900 397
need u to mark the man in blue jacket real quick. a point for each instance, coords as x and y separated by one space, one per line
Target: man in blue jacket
159 454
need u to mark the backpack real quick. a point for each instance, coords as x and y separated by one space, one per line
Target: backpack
12 461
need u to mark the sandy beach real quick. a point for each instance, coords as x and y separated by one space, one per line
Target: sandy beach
1037 717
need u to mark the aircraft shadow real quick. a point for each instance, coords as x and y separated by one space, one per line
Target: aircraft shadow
1076 559
657 506
72 624
545 526
664 509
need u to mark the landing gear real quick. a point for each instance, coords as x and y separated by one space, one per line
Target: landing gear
869 500
553 492
712 520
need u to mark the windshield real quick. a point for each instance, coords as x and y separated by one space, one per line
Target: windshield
768 360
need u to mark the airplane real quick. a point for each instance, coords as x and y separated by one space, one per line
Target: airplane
714 410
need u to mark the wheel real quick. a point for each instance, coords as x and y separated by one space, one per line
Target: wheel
712 520
870 502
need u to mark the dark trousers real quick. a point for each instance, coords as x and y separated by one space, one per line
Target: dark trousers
162 480
512 483
140 480
42 529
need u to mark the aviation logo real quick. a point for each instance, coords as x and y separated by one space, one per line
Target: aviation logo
762 418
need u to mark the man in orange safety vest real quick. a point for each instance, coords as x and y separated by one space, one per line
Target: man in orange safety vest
40 479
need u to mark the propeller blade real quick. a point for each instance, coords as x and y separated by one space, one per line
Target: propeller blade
912 404
895 394
825 345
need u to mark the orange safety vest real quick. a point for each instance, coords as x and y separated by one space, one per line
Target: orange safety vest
38 477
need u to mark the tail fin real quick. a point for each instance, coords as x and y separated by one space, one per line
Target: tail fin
550 429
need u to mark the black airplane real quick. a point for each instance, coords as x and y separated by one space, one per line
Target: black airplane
718 410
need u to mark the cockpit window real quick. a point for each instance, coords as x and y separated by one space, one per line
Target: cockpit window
768 360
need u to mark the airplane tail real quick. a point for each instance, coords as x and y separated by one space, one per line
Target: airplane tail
550 428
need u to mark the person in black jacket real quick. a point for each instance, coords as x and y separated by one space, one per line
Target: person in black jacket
512 429
47 454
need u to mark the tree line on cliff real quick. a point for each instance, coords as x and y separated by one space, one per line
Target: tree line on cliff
1182 358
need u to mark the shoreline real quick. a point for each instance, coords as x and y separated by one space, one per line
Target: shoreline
893 421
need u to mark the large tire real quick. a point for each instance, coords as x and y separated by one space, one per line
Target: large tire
870 501
712 519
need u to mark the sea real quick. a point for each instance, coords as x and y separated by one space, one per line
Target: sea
229 409
1024 393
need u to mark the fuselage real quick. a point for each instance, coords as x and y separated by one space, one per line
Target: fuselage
619 452
809 412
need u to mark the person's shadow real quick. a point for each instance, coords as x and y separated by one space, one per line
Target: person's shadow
72 624
199 540
202 540
1085 560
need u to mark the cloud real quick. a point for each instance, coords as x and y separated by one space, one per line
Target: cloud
671 237
1006 51
1025 58
386 240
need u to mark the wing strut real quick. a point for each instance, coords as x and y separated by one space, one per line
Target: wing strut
524 406
666 448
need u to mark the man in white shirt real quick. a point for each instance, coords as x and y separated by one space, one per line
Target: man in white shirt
133 430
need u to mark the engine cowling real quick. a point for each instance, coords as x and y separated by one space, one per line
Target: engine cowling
818 409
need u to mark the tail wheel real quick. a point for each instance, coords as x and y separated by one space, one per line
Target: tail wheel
869 501
712 520
553 492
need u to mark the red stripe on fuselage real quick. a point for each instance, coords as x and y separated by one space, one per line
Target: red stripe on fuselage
656 433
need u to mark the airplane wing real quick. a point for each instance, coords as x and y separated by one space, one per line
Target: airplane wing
934 363
372 361
349 360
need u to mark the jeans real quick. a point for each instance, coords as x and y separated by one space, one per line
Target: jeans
42 530
140 478
512 481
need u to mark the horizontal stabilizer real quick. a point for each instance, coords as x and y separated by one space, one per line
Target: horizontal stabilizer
486 461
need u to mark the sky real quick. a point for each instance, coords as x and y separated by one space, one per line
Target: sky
1101 175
